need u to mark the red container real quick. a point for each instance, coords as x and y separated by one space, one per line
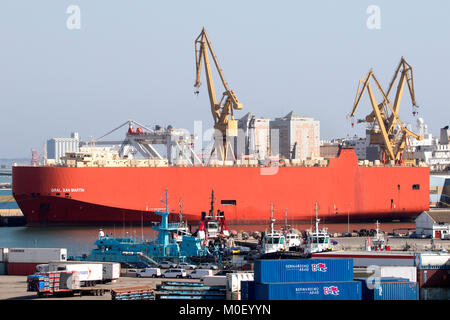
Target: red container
21 268
433 278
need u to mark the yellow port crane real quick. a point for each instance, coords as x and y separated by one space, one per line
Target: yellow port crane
222 111
387 130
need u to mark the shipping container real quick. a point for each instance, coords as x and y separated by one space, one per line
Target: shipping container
234 280
431 260
3 268
41 255
389 289
434 293
214 280
21 268
409 273
247 290
69 280
370 258
333 290
4 254
437 278
86 271
111 271
303 270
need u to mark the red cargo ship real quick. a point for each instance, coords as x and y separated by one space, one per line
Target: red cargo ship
116 195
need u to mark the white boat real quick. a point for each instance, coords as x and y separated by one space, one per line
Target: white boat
378 243
293 237
317 240
274 241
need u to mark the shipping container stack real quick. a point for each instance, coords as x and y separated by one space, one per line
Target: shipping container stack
23 261
133 293
433 276
233 284
302 279
389 288
3 261
189 291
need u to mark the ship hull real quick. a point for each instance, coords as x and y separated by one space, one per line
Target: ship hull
116 195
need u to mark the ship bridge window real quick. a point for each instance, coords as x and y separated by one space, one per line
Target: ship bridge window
212 225
416 186
228 202
319 240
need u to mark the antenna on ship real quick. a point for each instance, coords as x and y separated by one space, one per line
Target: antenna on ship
272 220
211 211
181 210
317 222
166 201
142 226
285 220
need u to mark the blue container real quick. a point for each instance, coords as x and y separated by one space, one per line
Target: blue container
247 290
335 290
389 289
303 270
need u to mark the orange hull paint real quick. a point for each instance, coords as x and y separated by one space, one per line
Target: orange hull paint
128 194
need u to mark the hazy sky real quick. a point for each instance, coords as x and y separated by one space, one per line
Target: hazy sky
135 60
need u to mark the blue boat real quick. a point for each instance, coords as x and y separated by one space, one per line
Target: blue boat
166 247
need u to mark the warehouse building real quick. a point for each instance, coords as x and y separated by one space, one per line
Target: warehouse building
435 224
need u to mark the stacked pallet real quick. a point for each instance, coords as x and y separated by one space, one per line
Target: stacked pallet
47 283
190 291
133 293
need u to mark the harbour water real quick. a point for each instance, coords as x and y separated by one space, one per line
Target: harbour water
80 240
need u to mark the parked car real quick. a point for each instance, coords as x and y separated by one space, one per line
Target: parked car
363 233
142 265
126 265
174 273
148 272
199 273
132 271
224 272
418 236
185 265
167 264
206 265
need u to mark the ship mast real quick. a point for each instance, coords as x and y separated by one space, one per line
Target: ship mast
317 222
272 220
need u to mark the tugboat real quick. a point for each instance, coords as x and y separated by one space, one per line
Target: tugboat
317 240
213 229
274 245
378 243
293 236
166 247
214 234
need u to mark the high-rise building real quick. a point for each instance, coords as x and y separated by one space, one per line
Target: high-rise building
298 137
253 136
57 147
